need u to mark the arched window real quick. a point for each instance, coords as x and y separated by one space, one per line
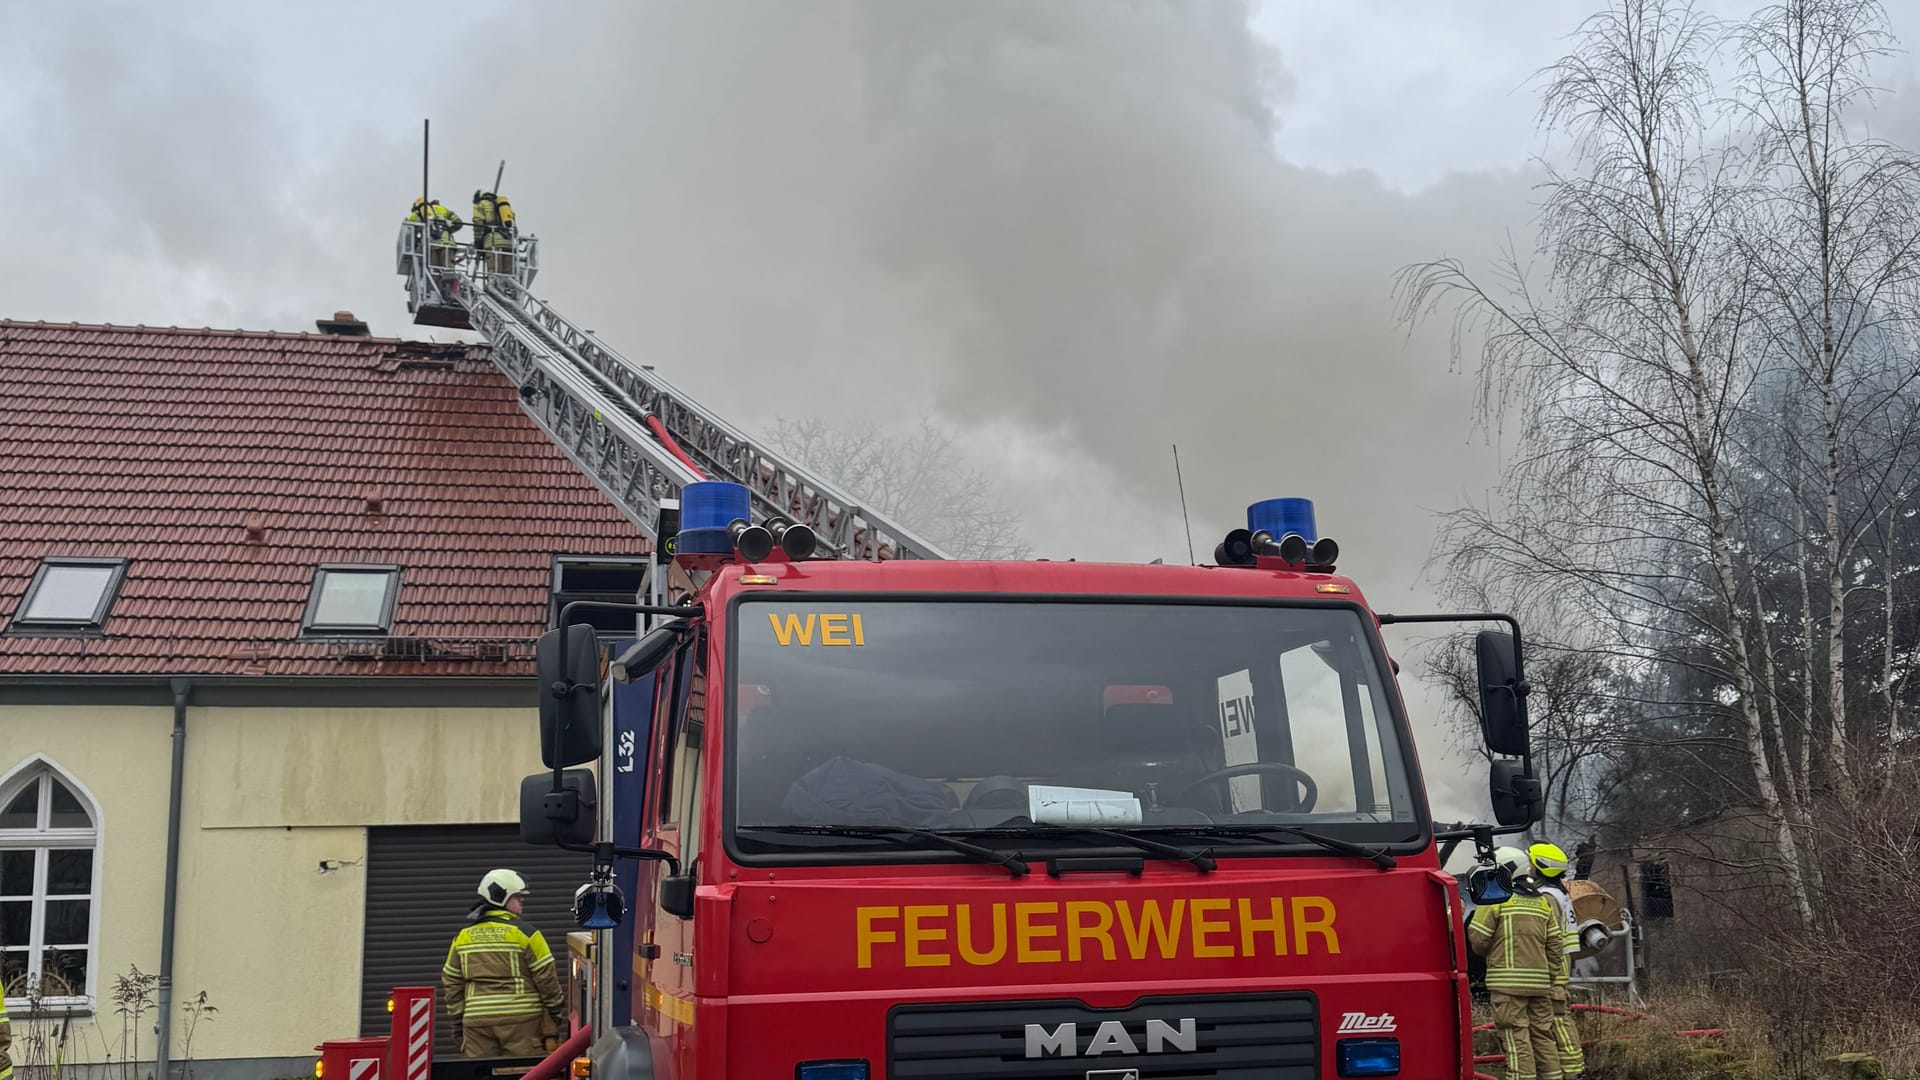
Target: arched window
49 887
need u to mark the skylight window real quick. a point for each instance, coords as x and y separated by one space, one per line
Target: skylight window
352 600
70 595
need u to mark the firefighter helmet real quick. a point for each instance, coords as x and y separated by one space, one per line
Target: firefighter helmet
1513 861
499 886
1548 860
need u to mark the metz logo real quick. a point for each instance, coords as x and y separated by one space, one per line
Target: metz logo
1359 1023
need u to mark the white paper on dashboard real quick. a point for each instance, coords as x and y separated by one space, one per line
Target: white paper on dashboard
1081 806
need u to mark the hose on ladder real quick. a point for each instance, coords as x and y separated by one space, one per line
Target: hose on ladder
666 440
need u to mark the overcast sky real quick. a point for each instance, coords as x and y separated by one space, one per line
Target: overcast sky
1076 233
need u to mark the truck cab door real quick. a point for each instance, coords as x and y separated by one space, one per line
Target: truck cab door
666 988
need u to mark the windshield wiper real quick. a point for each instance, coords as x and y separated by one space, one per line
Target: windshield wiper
1378 857
1202 859
905 835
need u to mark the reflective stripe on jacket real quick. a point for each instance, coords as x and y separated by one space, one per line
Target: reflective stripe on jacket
500 967
445 222
1523 943
1569 935
6 1042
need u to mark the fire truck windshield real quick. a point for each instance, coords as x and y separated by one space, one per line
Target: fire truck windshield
987 718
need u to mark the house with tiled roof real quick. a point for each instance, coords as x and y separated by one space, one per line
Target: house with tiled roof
268 605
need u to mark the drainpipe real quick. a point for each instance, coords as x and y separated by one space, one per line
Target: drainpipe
164 999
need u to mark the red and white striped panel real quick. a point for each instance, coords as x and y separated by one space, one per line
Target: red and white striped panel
418 1050
365 1068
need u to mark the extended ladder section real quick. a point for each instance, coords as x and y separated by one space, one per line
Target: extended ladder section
633 433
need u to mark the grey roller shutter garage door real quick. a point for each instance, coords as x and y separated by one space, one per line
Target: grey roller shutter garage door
420 884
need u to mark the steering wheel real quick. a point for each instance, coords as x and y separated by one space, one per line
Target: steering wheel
997 792
1309 791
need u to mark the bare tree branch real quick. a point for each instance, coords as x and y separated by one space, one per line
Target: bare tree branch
918 477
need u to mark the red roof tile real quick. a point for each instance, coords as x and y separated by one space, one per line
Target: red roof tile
164 446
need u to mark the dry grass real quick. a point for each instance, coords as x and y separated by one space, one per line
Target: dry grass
1754 1045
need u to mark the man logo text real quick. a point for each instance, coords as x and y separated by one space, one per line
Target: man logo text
1112 1037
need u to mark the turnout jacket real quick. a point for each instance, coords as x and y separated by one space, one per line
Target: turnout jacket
499 967
1524 943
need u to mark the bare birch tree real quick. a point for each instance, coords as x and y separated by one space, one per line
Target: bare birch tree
1629 368
1831 240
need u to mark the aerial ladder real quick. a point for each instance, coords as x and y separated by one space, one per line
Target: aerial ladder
639 439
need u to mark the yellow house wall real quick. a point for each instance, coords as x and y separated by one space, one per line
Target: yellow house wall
253 768
270 795
273 792
119 757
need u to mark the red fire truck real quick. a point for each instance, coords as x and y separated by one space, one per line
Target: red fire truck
933 820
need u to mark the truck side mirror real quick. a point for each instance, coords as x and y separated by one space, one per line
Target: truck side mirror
676 894
1517 796
1503 697
569 697
563 818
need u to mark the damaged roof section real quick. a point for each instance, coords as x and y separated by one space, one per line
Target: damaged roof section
219 471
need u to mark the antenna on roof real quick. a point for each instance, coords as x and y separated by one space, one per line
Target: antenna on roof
1183 503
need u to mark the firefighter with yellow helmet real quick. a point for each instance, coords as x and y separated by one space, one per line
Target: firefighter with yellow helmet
502 987
440 233
494 231
1525 950
1550 865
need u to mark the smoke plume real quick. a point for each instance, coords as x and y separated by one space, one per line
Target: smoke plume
1068 231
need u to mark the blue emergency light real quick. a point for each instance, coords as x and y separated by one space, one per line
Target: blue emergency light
1282 528
598 907
715 519
708 509
1368 1057
1278 517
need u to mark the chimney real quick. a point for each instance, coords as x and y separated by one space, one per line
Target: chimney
343 324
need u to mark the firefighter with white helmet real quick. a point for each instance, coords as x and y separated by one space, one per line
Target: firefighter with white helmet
1550 864
1524 946
502 988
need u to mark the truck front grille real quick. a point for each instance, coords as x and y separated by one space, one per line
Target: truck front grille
1211 1037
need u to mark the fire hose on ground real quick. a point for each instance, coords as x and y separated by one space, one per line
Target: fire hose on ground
1495 1059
